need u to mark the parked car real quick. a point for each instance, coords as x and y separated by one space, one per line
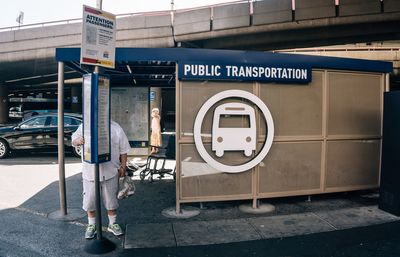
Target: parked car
16 112
38 133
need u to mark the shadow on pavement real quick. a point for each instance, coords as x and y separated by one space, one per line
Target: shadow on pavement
28 226
36 158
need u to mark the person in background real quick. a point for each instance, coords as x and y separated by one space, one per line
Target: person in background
155 139
109 176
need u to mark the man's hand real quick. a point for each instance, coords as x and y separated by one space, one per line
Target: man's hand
78 142
122 171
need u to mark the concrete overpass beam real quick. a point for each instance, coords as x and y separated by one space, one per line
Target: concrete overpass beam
359 7
150 33
48 32
7 36
391 5
269 12
194 21
131 22
231 16
314 9
157 21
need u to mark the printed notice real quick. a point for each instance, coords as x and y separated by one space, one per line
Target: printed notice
103 116
87 89
98 37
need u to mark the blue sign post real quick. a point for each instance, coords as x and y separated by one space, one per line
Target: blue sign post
96 118
96 149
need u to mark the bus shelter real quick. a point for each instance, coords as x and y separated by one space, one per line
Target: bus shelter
254 125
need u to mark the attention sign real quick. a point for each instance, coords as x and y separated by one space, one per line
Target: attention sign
98 37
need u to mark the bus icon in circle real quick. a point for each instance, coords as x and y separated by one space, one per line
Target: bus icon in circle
234 138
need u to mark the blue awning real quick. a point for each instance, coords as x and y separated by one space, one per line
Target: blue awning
126 55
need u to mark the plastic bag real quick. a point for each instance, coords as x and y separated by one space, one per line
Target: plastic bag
126 187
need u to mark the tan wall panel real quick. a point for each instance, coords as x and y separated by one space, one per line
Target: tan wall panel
221 185
201 180
291 167
195 94
355 104
296 109
353 163
319 146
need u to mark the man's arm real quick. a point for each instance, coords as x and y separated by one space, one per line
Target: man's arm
122 169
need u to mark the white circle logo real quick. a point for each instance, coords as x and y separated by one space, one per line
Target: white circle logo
224 139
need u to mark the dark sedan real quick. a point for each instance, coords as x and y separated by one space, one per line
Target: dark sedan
38 133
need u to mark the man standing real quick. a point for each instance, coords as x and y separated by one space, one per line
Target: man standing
109 176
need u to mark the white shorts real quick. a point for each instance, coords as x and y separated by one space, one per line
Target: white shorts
108 191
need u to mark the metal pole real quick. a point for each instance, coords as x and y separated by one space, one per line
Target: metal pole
98 206
61 162
101 244
97 171
99 4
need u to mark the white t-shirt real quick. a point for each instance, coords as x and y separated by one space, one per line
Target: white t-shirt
119 145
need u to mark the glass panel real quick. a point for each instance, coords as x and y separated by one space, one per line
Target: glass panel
53 121
68 121
34 123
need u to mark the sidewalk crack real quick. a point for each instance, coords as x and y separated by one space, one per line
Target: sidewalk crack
255 228
324 220
173 232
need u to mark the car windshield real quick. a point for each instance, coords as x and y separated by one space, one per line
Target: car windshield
42 121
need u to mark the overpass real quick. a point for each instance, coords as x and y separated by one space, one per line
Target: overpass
383 51
27 52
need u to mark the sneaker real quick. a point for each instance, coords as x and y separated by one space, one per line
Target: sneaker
90 231
115 229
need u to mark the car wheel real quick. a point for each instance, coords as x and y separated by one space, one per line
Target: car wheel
77 151
4 149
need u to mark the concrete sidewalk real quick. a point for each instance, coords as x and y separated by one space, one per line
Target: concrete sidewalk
246 229
29 229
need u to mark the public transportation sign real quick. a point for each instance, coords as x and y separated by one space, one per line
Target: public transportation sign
245 72
98 37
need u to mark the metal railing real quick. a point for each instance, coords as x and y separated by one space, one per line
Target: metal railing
252 8
77 20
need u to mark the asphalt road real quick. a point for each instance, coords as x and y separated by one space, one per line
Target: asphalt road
33 157
24 174
28 191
